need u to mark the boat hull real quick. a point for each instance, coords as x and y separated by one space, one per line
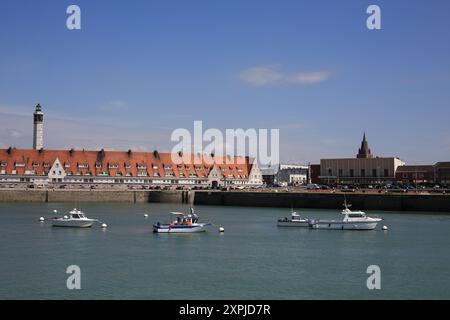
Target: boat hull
339 225
180 229
304 223
72 224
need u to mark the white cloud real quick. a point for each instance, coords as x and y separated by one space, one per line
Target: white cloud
272 74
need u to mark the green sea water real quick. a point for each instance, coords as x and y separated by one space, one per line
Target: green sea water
252 259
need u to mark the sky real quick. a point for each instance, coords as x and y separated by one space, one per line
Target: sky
137 70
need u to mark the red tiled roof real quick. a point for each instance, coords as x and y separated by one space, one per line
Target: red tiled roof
116 162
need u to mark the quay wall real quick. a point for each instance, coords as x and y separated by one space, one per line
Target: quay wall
93 196
389 202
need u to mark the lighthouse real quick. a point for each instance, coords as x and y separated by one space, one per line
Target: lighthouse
38 128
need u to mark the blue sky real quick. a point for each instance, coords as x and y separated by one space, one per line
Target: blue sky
139 69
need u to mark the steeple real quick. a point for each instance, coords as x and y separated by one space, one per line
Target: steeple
364 151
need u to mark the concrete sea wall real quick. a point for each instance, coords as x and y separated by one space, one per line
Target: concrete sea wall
394 202
389 202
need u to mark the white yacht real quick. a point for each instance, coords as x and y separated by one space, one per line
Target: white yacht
295 221
353 220
75 219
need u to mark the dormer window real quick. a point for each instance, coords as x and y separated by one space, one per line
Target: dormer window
4 164
113 166
98 165
168 167
155 166
127 166
142 166
19 164
46 164
67 165
83 165
35 164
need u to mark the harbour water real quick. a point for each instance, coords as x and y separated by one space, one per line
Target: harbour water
252 259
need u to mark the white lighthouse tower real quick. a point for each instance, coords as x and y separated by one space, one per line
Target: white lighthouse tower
38 128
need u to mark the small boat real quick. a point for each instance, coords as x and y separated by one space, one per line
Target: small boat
75 219
353 220
182 224
295 221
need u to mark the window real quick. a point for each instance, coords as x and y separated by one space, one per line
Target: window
352 173
386 172
192 175
67 165
98 165
19 164
83 165
46 164
167 167
155 166
188 167
340 172
197 168
142 173
374 172
127 166
4 164
363 173
181 175
142 166
35 164
155 174
128 174
113 166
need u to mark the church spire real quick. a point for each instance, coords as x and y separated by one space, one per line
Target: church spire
364 151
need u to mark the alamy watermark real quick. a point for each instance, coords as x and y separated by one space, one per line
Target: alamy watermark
373 22
74 280
73 21
214 146
374 280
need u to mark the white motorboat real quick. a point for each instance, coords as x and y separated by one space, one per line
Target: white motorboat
75 219
295 221
353 220
182 224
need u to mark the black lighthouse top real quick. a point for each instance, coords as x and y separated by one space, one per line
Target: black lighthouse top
38 115
364 151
